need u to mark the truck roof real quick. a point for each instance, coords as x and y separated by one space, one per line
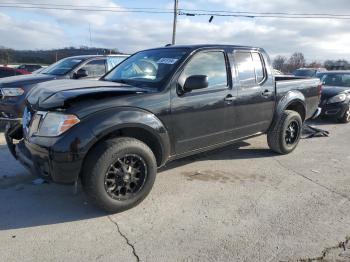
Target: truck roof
92 56
200 46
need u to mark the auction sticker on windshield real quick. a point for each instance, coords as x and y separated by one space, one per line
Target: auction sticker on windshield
168 61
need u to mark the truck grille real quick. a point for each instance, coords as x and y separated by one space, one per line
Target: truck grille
31 121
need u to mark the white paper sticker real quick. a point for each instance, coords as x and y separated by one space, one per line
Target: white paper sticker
168 61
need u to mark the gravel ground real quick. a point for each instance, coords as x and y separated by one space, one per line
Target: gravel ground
240 203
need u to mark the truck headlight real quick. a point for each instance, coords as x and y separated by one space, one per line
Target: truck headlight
7 92
337 99
55 124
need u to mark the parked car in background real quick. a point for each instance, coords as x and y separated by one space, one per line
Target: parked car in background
8 71
308 72
14 89
335 99
29 67
154 107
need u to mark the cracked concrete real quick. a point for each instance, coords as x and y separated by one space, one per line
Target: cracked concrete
339 253
240 203
126 238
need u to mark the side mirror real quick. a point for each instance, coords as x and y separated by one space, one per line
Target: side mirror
195 82
81 73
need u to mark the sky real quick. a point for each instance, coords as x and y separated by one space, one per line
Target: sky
318 39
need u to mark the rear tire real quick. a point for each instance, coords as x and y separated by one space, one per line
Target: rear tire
119 173
346 117
284 135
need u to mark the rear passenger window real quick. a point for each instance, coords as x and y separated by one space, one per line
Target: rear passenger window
245 67
113 61
259 68
211 64
95 68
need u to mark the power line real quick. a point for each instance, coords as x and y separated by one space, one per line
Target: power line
262 13
88 9
249 15
85 6
171 10
184 12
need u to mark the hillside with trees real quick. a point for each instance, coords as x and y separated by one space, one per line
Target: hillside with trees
46 57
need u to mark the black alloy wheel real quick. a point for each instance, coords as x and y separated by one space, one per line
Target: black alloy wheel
126 177
292 133
119 173
284 135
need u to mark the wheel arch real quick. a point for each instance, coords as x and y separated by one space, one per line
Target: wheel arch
134 123
294 101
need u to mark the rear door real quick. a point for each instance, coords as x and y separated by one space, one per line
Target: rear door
200 117
254 106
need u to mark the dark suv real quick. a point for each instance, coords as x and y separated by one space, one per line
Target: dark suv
13 90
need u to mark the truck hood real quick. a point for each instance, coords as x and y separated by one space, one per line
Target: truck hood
23 80
58 94
330 91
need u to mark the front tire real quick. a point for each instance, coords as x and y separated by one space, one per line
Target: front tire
119 173
284 135
346 117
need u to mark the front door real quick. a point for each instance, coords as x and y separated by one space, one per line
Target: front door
200 117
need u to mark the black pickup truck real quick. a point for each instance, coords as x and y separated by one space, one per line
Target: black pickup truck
156 106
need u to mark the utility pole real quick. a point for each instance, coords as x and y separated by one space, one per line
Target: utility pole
176 6
90 36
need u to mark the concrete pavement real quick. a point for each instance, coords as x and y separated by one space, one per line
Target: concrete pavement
240 203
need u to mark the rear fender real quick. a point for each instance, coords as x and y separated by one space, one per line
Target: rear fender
292 97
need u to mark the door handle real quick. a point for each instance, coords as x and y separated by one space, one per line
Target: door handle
266 93
229 99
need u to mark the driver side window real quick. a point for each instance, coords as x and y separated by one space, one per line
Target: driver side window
212 64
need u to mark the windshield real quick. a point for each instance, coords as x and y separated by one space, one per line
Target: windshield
148 68
62 67
306 72
336 80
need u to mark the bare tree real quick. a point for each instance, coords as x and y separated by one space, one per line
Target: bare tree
315 64
279 63
297 60
328 64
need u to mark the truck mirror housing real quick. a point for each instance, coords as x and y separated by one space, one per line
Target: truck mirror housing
196 82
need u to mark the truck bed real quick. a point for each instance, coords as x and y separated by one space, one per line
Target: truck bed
309 87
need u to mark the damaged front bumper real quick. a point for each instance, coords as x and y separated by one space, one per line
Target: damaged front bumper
336 110
45 164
